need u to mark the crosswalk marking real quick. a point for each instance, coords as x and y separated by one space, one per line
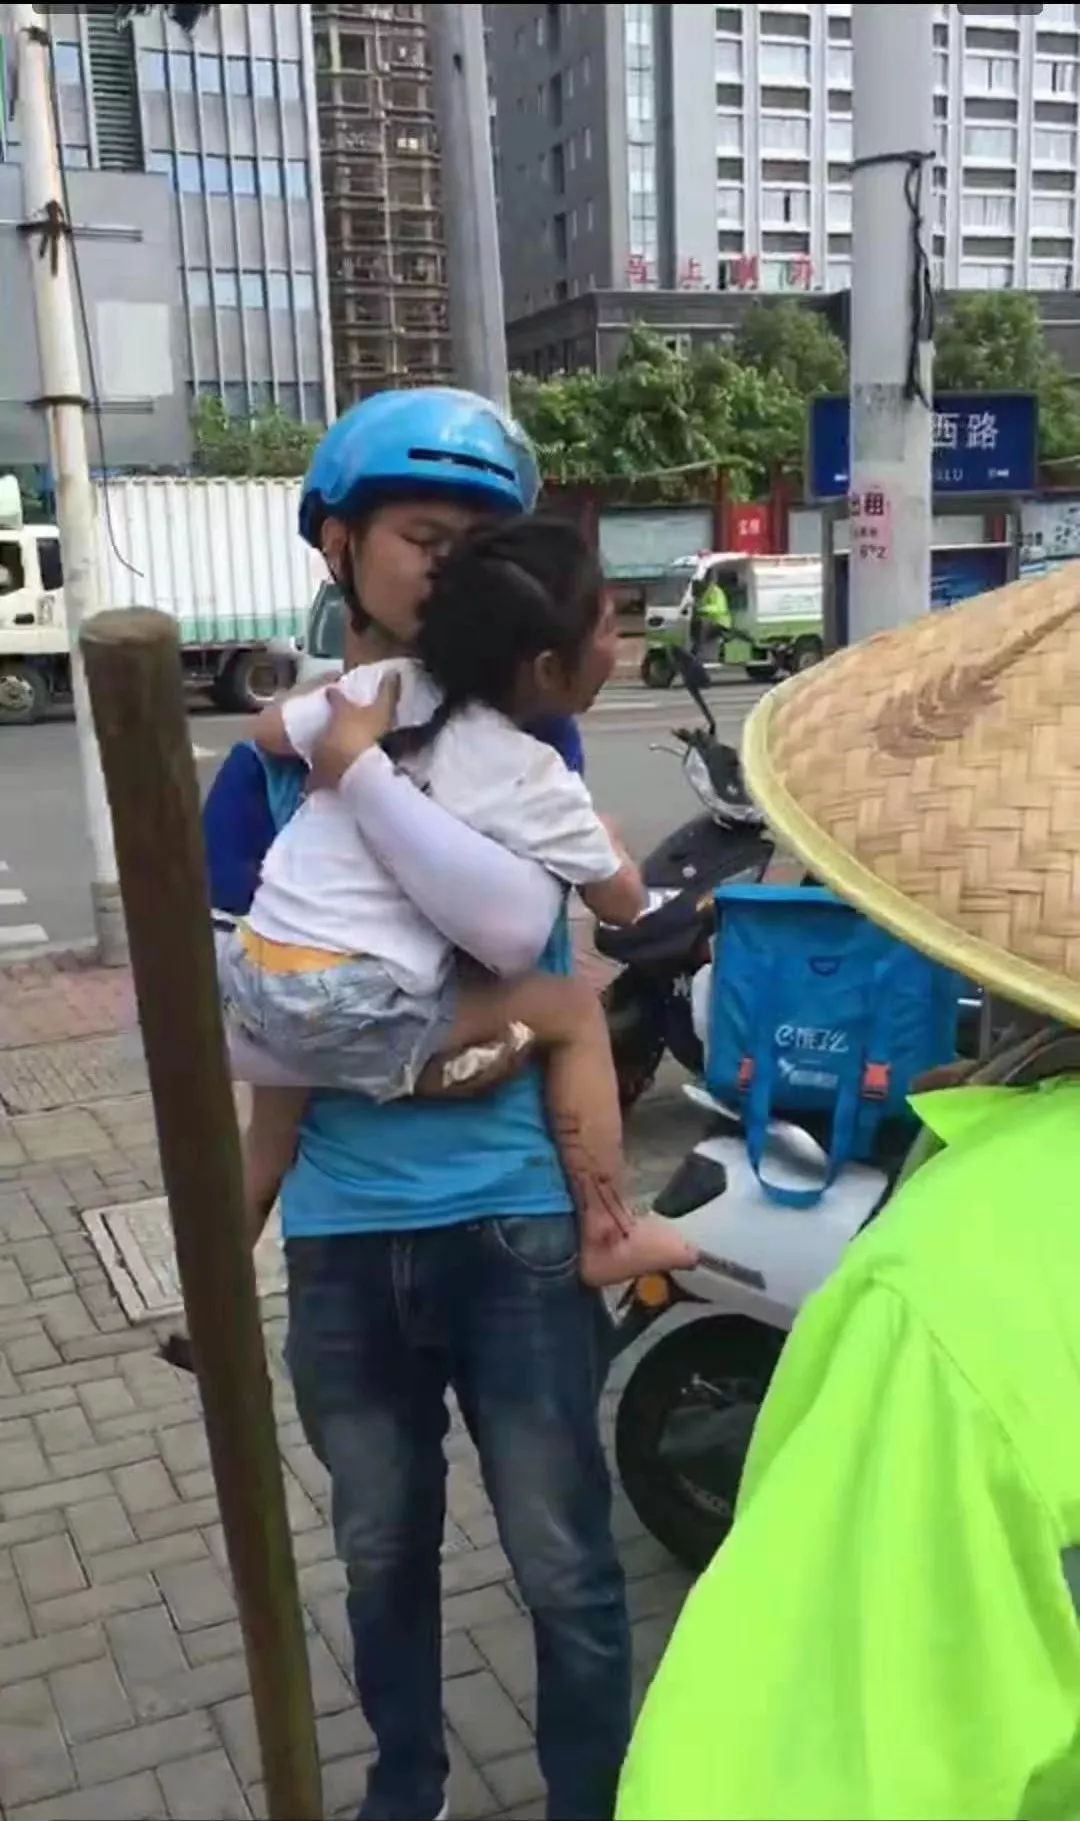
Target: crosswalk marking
22 935
10 894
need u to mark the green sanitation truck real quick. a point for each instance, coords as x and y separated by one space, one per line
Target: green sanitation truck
761 614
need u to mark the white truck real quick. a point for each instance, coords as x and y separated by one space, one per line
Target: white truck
224 557
773 624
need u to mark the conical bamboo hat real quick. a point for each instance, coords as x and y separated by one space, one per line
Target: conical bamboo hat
931 776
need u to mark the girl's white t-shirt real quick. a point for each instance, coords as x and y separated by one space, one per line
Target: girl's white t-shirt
321 886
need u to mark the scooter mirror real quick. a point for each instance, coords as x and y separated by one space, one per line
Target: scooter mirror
695 679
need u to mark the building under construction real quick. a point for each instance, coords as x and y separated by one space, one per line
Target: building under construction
380 171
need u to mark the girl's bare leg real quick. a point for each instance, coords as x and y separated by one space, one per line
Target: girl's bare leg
567 1020
269 1146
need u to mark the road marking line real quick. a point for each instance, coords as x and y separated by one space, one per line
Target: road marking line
22 935
10 894
4 867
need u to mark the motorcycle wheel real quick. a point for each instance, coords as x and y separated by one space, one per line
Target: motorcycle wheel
683 1428
635 1027
657 669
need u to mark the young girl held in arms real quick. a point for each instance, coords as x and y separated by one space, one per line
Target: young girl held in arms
347 985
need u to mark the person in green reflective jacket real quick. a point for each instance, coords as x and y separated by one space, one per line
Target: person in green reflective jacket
890 1632
710 615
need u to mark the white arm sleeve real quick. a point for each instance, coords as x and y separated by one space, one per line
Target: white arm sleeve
306 719
496 907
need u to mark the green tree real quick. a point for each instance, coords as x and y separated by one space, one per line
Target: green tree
268 444
796 343
667 418
996 343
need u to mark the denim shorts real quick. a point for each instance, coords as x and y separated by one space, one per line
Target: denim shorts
349 1027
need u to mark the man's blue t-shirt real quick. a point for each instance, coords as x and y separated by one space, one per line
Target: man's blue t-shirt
363 1167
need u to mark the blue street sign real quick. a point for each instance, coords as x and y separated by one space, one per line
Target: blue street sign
984 442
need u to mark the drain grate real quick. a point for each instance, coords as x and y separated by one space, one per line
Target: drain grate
133 1240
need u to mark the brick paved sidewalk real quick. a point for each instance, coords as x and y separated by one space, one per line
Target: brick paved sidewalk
123 1689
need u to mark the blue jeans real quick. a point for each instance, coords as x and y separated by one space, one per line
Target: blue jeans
379 1326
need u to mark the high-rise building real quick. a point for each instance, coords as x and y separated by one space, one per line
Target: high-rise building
227 120
380 174
709 147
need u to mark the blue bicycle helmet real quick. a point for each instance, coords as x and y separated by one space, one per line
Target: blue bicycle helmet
432 440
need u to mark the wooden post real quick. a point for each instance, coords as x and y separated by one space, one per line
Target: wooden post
133 669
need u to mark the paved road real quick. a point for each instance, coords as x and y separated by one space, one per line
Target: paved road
44 859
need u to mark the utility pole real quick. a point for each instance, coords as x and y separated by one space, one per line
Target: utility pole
47 234
474 277
891 348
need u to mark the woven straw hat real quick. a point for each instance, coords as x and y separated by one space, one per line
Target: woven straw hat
931 776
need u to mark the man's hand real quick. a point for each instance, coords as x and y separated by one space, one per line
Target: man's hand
353 730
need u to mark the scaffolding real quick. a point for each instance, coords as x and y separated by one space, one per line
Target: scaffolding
380 170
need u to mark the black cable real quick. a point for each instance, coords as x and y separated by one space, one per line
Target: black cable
91 368
922 285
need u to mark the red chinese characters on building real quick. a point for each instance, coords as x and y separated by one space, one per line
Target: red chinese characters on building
744 272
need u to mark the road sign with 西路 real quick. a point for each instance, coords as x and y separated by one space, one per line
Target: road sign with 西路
983 442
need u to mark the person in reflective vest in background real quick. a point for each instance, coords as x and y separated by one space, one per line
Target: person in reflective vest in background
890 1632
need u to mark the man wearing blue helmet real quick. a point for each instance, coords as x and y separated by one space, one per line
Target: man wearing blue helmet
432 1244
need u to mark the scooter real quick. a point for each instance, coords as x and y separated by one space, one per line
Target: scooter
689 1406
648 1003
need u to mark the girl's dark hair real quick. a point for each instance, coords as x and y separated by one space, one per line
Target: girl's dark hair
504 594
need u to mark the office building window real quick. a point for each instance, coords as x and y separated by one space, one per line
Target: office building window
263 78
303 285
838 65
785 63
151 66
941 70
270 178
296 179
986 274
729 59
995 144
990 75
188 174
785 208
1055 76
237 402
181 71
1050 275
238 75
838 137
277 289
1053 145
216 176
729 132
198 286
729 202
227 290
77 157
786 133
288 75
243 175
68 64
991 214
209 72
161 163
252 291
1052 214
839 274
288 399
839 210
313 404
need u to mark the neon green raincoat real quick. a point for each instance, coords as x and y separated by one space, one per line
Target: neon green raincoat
889 1633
